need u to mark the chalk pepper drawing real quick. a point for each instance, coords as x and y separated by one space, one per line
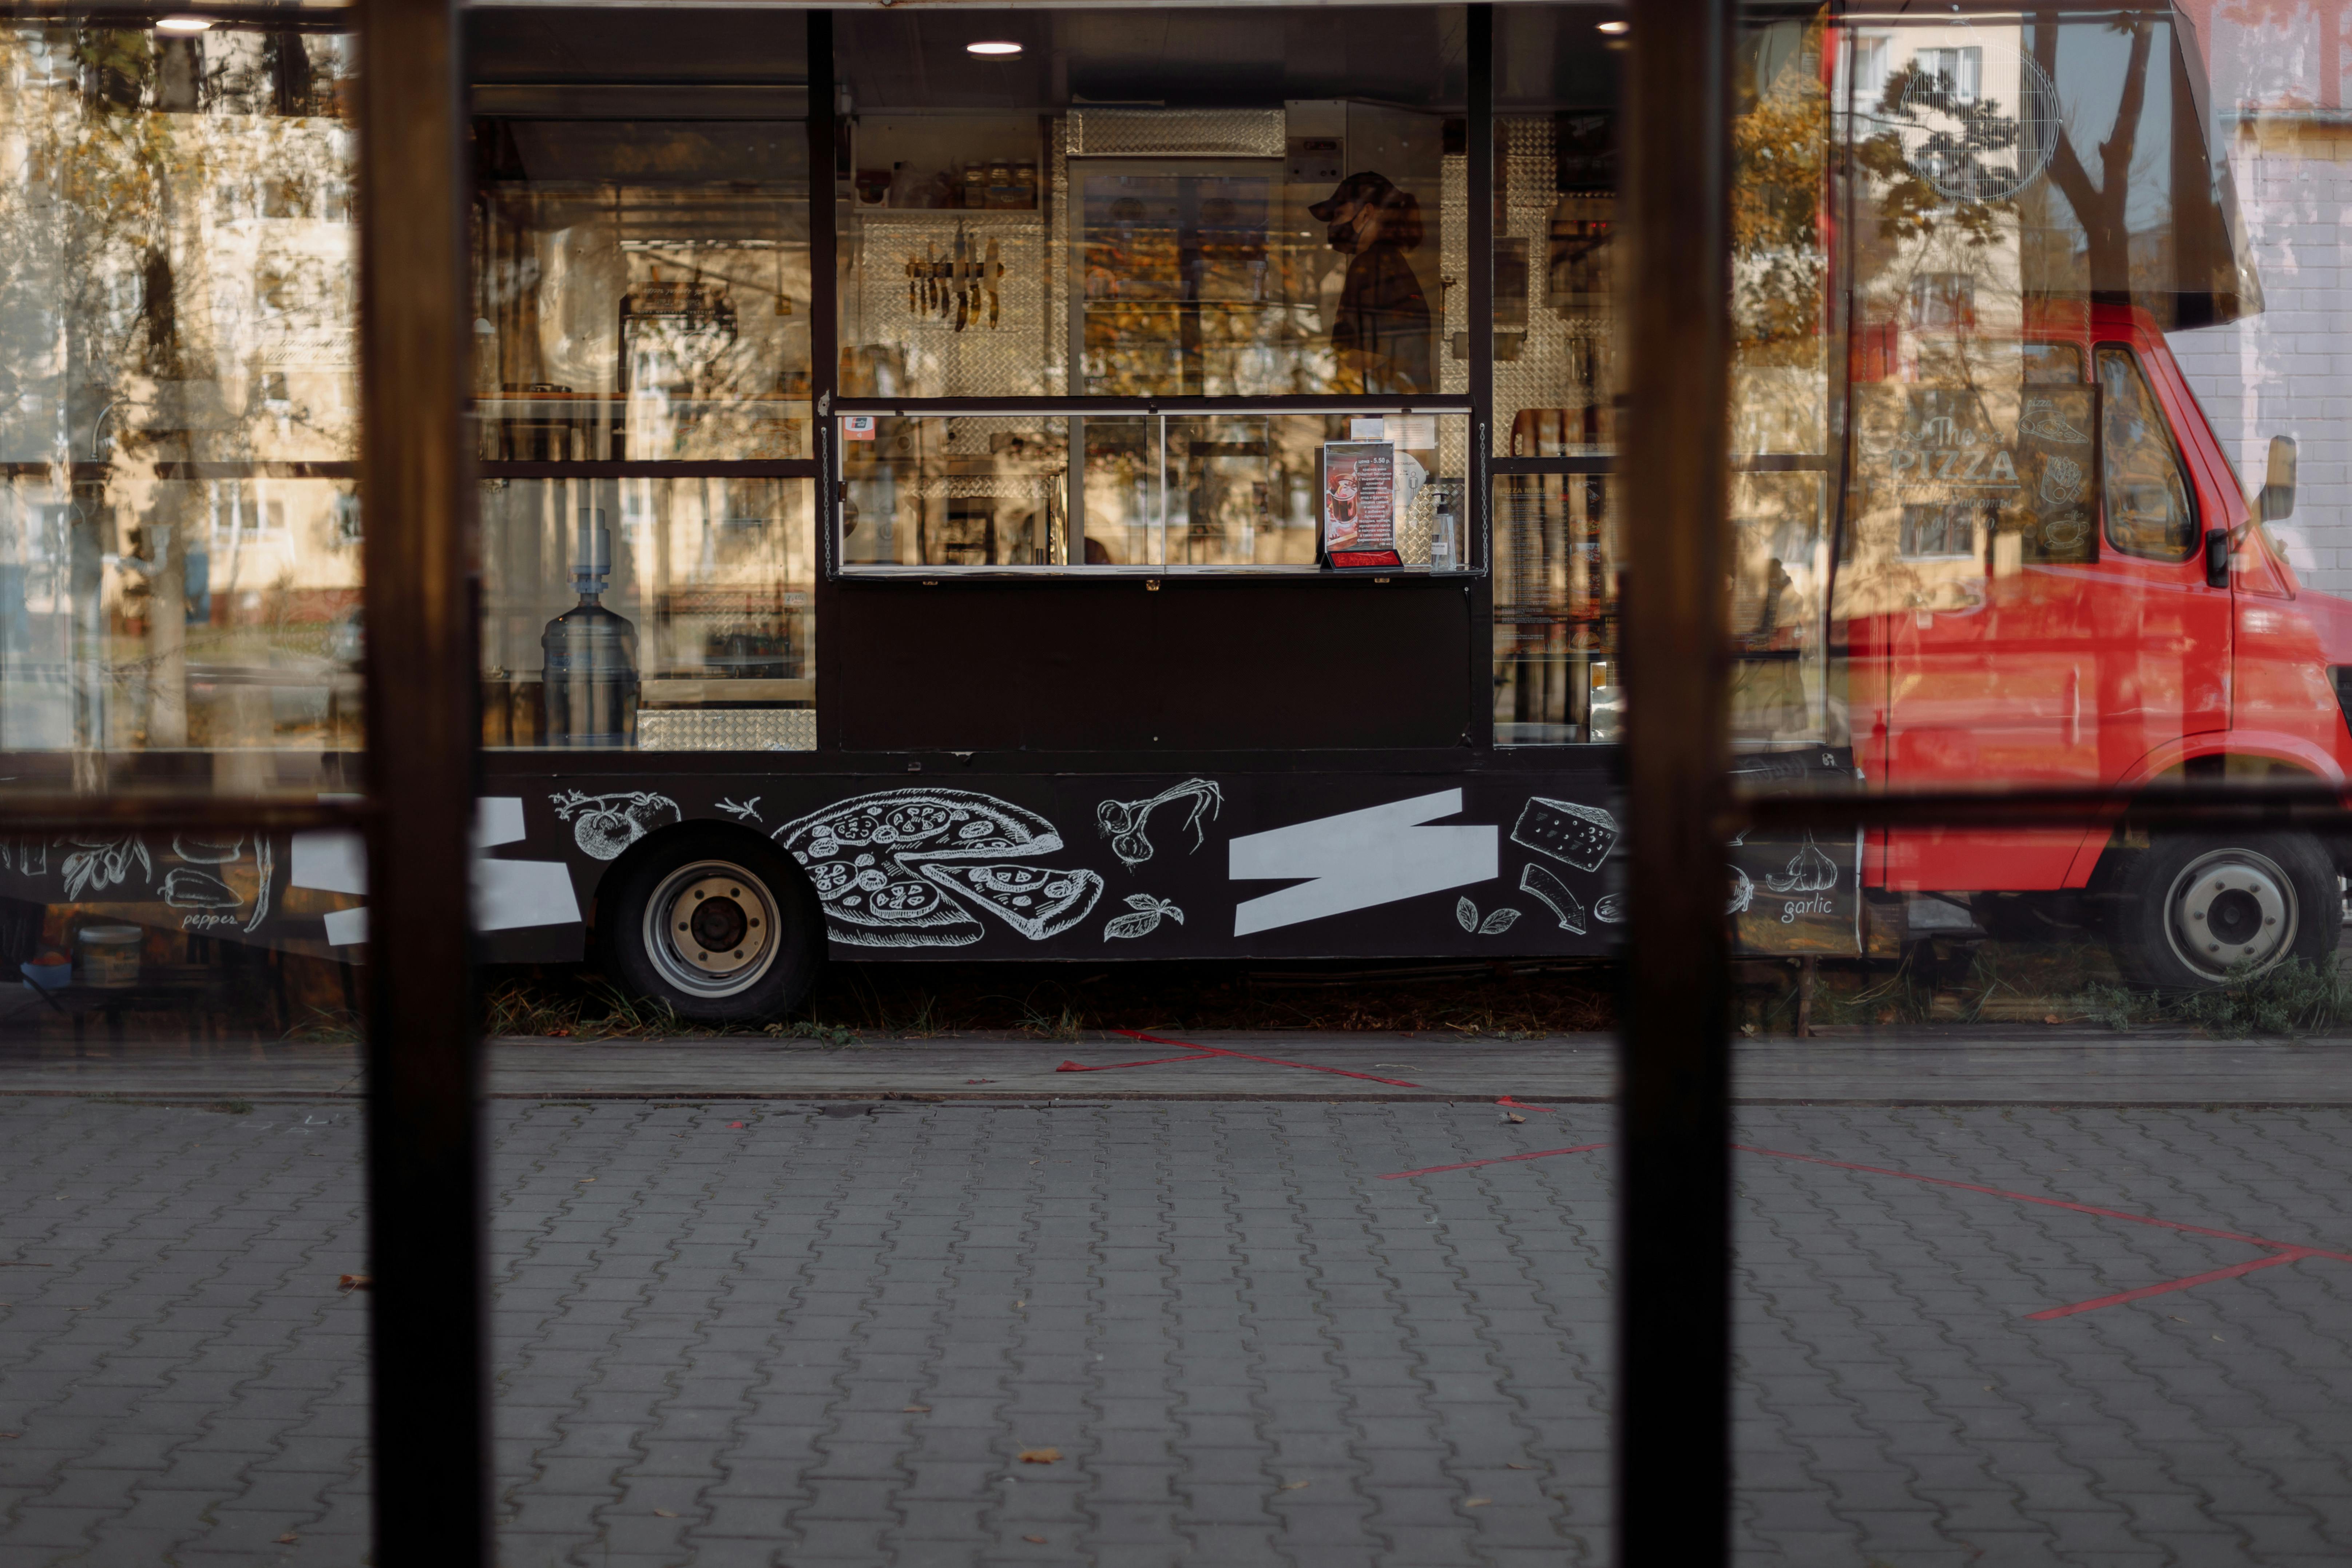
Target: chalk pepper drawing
1465 914
605 825
1122 821
1555 895
98 864
1581 836
1810 871
264 863
908 868
185 888
1148 912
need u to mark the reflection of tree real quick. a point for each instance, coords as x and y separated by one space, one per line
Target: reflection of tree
2100 208
1780 152
1911 206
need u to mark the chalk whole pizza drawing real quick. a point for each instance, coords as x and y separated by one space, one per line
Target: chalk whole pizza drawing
922 867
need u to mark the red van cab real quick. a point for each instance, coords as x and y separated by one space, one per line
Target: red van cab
2051 577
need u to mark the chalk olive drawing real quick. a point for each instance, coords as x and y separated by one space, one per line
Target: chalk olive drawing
94 865
605 825
908 868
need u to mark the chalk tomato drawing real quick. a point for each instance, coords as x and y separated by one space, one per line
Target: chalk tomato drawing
605 825
918 868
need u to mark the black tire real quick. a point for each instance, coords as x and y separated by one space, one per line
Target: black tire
716 923
2192 912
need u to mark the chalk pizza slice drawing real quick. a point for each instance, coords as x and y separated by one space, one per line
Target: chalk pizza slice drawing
1581 836
910 868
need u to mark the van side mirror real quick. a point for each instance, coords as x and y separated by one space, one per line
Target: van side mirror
2277 500
2217 558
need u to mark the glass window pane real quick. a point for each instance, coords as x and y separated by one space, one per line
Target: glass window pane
1287 236
2148 508
1557 552
643 291
663 614
1157 490
179 413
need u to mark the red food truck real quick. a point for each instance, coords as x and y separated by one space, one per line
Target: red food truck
1063 502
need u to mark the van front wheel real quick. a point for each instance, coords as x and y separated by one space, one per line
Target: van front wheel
715 923
2195 912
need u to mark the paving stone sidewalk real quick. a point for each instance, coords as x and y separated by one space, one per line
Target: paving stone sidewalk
763 1332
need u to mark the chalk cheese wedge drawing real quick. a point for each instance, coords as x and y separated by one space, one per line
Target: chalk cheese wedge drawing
909 868
1540 884
1581 835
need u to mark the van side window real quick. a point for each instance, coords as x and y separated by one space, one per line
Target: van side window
2149 513
2053 365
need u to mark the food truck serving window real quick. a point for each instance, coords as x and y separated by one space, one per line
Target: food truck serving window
1208 210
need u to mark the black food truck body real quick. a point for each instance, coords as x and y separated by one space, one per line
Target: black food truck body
1150 537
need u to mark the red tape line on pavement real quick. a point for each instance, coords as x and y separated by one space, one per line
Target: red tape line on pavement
2292 1254
1497 1160
2049 1203
1275 1061
1108 1066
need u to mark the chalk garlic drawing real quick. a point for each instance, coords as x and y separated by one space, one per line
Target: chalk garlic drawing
185 888
1810 871
1581 836
98 864
1609 908
1148 912
1122 821
605 825
1554 894
1465 914
748 811
908 868
1743 891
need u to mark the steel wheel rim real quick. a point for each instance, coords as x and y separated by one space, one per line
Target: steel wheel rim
2230 912
710 929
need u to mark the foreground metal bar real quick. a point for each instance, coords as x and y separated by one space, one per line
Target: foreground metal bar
424 1189
1674 1468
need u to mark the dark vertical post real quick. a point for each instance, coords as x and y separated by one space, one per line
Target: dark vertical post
1673 1297
1477 503
824 366
424 1189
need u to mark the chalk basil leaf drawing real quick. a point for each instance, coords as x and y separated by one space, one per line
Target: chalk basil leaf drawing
1465 914
1123 821
1497 922
910 868
603 825
1540 884
1810 871
1148 912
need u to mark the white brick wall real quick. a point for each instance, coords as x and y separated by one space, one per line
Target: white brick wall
2288 372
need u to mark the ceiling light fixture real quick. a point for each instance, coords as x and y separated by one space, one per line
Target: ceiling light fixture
995 48
1613 28
185 25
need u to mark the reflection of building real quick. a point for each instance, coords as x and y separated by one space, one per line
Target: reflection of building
2279 106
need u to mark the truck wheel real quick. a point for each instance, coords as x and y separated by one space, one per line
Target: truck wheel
717 923
2197 911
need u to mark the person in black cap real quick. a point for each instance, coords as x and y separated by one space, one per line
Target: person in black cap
1381 333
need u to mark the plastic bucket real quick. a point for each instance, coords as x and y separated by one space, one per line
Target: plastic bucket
110 954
